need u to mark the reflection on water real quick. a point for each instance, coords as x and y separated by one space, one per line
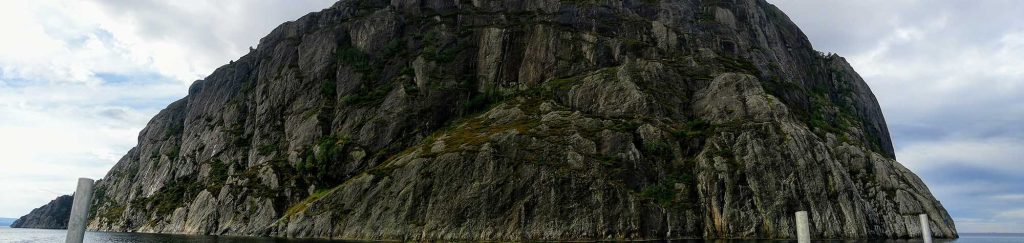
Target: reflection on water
47 236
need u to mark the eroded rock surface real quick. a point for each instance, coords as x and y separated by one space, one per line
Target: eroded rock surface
523 120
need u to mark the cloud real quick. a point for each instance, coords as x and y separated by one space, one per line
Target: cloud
1009 197
1016 214
187 39
80 79
976 225
995 154
949 76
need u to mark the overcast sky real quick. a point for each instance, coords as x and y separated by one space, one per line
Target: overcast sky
79 80
949 75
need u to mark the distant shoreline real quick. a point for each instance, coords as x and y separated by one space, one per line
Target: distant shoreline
993 234
975 233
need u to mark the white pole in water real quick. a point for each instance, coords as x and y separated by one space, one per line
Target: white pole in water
926 231
79 211
803 229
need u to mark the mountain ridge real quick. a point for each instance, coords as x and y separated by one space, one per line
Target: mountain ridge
523 120
53 215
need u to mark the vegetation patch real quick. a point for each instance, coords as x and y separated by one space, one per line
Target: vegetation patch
319 162
436 49
666 192
328 89
113 212
382 171
708 11
236 134
826 117
481 101
395 47
267 149
173 129
634 45
218 175
477 131
625 126
735 64
301 206
174 195
660 192
561 85
367 95
724 152
691 129
658 148
357 59
607 160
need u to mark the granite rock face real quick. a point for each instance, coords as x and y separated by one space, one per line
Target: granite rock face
53 215
523 120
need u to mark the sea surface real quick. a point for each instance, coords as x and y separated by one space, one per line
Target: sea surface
9 235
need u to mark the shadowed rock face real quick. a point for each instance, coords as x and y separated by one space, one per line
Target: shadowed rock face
53 215
523 120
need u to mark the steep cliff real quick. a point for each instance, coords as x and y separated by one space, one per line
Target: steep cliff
523 119
53 215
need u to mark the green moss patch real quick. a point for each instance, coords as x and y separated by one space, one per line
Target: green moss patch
302 205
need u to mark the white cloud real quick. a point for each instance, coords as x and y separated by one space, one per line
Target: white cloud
997 154
1016 214
55 133
80 79
949 76
953 70
1009 197
188 39
979 225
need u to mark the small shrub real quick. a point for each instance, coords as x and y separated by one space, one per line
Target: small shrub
481 101
218 175
319 162
328 89
393 48
267 149
661 193
352 56
626 126
658 148
725 153
113 213
634 45
366 96
692 128
173 130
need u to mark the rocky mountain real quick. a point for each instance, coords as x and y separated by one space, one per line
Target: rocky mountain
523 120
53 215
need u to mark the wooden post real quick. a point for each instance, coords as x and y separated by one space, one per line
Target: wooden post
79 211
803 228
926 230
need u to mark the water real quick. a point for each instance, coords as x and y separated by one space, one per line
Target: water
8 235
